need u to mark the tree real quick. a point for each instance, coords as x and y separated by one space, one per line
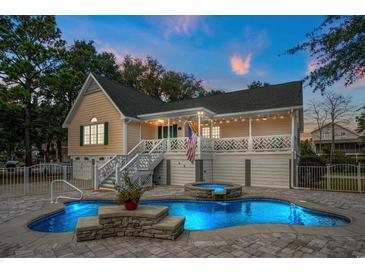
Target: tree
30 48
61 88
211 92
337 48
150 77
176 86
360 120
257 84
319 114
11 122
338 108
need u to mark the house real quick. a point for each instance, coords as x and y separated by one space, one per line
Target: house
249 137
346 140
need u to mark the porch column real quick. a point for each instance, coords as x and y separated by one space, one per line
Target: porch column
199 134
168 134
210 129
292 130
250 134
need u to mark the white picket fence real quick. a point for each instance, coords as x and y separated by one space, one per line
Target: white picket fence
342 177
37 179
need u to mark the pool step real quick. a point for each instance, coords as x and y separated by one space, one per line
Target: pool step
145 221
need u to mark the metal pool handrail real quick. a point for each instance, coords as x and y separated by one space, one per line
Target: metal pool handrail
64 197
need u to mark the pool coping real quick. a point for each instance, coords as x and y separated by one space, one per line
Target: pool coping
17 228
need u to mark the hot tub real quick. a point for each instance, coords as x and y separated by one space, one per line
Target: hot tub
213 191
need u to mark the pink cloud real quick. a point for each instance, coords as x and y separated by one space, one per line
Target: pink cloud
183 25
239 65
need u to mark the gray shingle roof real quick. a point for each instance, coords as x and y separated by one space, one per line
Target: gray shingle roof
132 102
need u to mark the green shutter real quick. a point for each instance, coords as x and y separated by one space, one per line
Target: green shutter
106 133
159 132
165 131
81 136
174 131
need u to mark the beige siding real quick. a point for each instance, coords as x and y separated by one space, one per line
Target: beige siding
182 172
229 169
148 131
159 173
271 127
234 129
96 105
328 129
208 170
270 172
133 133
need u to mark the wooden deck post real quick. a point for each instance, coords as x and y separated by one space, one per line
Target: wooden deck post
250 135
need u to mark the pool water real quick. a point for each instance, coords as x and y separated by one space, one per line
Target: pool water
202 215
216 187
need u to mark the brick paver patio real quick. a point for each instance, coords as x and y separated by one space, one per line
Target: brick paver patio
273 244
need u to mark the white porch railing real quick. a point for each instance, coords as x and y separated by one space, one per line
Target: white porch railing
271 143
243 144
233 144
177 144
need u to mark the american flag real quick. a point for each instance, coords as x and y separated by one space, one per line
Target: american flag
191 143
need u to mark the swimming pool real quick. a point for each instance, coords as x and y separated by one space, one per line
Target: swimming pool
202 215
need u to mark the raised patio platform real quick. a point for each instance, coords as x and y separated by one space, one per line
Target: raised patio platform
116 221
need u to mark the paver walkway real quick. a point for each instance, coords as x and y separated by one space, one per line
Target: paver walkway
270 244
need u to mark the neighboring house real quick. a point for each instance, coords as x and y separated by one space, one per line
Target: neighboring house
346 140
249 137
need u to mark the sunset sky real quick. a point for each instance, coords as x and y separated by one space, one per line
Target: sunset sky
226 52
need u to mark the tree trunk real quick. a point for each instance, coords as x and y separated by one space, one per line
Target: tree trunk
59 150
27 133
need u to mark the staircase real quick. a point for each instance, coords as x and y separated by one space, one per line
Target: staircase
139 163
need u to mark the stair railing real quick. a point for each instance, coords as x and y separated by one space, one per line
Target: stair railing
64 197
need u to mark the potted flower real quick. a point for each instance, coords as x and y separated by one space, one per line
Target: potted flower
129 194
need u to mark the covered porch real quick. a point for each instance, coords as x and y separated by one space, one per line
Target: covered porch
255 132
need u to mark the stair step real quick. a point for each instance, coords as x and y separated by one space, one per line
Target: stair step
109 186
170 223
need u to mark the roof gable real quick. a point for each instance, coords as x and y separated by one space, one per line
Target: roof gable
91 85
337 126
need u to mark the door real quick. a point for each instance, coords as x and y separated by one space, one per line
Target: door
163 131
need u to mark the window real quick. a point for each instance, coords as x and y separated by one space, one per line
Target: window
216 132
87 135
325 135
206 132
100 134
343 133
94 134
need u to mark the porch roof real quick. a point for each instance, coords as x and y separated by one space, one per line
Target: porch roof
133 103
